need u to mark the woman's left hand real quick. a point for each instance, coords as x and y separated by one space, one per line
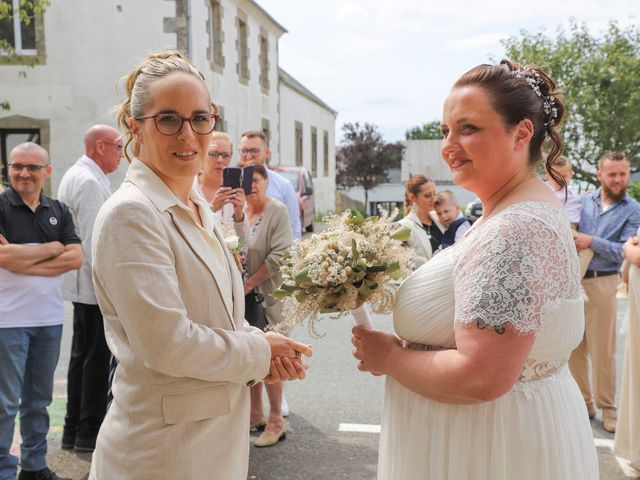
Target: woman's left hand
373 348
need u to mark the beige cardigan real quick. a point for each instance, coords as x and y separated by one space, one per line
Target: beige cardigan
176 325
272 239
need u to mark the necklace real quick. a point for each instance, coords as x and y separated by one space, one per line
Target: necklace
428 229
486 215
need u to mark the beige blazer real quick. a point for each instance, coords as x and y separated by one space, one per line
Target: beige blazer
174 318
272 240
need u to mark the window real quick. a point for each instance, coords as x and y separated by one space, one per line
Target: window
9 138
298 138
215 36
221 126
264 61
18 28
266 130
314 151
326 153
242 47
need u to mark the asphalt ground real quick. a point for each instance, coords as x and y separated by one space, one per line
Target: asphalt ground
334 399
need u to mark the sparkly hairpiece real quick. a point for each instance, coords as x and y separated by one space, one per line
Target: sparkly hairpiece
534 80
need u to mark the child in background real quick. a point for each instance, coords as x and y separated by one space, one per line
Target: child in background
449 214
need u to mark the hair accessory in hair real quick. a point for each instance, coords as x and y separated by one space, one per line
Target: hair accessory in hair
534 80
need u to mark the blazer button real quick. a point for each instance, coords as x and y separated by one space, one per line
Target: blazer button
251 383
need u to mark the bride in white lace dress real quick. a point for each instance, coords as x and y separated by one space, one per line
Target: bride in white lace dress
478 386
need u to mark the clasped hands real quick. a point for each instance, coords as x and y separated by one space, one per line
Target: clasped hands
286 358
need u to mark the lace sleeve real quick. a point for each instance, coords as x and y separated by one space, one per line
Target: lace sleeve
514 270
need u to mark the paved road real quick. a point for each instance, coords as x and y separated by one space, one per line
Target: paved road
334 393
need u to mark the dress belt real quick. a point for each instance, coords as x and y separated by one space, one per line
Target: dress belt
596 273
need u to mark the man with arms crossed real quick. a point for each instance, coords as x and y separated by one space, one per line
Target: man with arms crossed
38 244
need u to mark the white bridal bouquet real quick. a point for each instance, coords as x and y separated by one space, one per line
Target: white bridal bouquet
336 271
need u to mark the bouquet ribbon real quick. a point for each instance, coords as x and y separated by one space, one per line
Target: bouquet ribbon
361 316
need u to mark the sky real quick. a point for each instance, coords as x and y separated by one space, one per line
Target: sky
392 62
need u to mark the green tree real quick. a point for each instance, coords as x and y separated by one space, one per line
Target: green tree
364 158
8 55
600 79
428 131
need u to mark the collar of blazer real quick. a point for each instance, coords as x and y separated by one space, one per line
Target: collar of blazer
164 200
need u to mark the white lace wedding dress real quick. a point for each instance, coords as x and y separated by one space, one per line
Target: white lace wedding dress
518 268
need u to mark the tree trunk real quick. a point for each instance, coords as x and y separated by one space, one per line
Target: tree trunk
366 202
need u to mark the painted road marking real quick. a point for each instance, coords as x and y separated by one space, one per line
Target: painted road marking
624 465
359 428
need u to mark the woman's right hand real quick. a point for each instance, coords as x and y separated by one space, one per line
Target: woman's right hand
286 358
222 196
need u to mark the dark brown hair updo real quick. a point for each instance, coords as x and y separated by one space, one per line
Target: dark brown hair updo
137 82
517 92
413 185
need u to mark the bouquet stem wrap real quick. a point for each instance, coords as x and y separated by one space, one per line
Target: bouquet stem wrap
361 316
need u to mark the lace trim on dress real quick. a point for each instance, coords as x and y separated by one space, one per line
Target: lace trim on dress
516 268
560 376
539 369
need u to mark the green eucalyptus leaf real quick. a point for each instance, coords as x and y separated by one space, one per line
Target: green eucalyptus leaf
393 267
376 268
279 294
402 234
302 278
354 250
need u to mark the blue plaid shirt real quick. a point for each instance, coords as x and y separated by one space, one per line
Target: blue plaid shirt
609 229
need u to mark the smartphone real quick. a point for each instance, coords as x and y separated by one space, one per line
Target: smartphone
236 177
246 179
231 177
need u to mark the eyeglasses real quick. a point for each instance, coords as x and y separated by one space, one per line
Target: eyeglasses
118 145
32 168
171 123
249 151
214 154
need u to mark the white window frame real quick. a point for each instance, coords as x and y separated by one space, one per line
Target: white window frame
17 31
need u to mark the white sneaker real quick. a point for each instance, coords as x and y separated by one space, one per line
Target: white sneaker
284 406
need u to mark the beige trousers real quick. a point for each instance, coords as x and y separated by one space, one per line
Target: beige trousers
584 257
598 342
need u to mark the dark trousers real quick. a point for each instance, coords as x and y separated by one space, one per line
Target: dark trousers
87 377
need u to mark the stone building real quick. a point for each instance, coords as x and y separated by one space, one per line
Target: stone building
84 47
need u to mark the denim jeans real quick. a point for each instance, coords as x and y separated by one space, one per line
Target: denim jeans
28 358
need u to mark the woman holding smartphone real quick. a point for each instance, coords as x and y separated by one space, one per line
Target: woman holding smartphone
228 203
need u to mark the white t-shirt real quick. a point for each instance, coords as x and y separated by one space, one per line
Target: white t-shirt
572 204
30 300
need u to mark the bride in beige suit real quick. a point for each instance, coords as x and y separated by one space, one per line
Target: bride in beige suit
173 303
